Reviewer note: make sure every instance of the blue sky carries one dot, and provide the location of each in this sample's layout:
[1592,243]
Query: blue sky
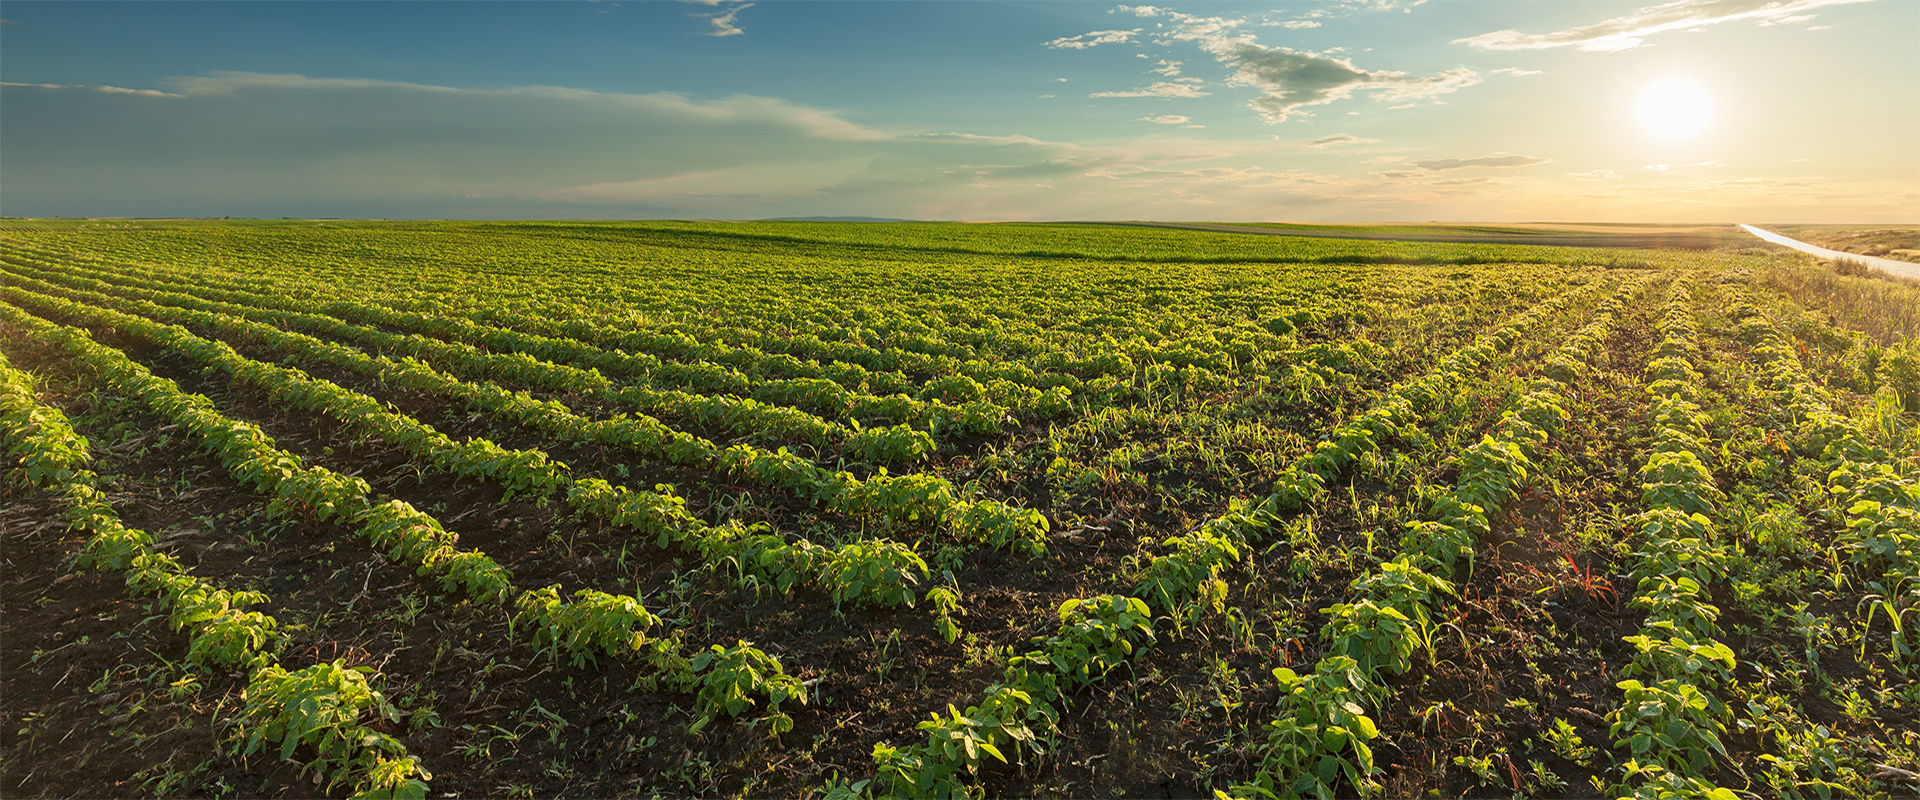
[1464,110]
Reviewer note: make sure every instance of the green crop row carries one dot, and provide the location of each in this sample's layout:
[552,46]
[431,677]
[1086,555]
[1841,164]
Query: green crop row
[530,472]
[1319,736]
[1258,317]
[1024,707]
[965,405]
[320,706]
[1306,481]
[886,444]
[902,498]
[1020,712]
[1672,723]
[593,623]
[1878,507]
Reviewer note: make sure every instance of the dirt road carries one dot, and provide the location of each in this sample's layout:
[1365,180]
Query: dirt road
[1904,269]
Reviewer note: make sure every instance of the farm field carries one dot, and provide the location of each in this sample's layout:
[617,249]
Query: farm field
[810,509]
[1553,234]
[1900,242]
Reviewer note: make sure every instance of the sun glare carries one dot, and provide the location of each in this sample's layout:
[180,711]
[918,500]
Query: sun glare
[1674,109]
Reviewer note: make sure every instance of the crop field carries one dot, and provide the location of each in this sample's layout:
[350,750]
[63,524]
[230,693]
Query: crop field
[1899,242]
[927,510]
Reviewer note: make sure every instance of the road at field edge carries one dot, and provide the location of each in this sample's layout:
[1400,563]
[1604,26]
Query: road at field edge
[1638,239]
[1904,269]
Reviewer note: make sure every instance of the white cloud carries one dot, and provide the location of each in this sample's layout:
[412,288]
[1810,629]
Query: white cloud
[1299,24]
[1672,167]
[102,89]
[1086,40]
[1289,80]
[736,109]
[1338,139]
[1292,79]
[1437,165]
[1186,27]
[723,24]
[1514,71]
[1336,9]
[1597,175]
[792,181]
[1630,31]
[1166,119]
[1158,89]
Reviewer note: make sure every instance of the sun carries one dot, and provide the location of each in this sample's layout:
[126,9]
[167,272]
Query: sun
[1674,109]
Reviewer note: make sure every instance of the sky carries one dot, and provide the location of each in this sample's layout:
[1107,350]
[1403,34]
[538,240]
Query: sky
[1763,111]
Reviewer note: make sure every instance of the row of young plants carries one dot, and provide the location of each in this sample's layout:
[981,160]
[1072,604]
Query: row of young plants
[1307,480]
[1017,308]
[1189,574]
[591,623]
[1021,710]
[1298,372]
[1286,342]
[783,358]
[1203,362]
[1672,720]
[1209,356]
[1319,736]
[531,363]
[924,351]
[320,707]
[1770,525]
[955,403]
[1876,506]
[896,499]
[877,571]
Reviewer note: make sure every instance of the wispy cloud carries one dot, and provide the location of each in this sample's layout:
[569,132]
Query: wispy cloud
[1167,119]
[1158,89]
[1337,140]
[1293,79]
[1336,9]
[1595,176]
[737,109]
[1289,80]
[723,22]
[1086,40]
[76,87]
[1514,71]
[1185,27]
[1440,164]
[1670,167]
[1630,31]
